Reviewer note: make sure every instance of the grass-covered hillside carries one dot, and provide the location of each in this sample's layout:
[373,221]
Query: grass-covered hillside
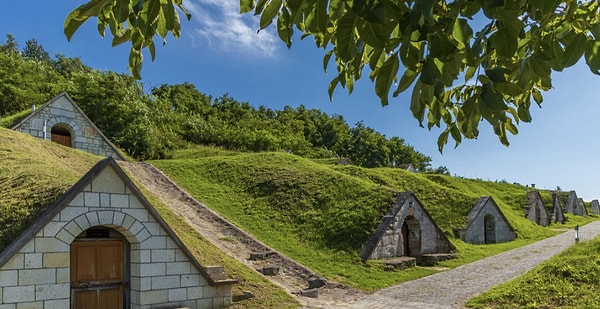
[321,213]
[34,173]
[568,280]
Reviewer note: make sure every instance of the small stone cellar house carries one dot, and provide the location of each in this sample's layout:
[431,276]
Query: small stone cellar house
[535,210]
[486,224]
[557,214]
[406,230]
[595,207]
[62,121]
[103,245]
[574,205]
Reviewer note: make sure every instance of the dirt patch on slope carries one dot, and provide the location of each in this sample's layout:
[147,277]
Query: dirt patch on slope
[292,276]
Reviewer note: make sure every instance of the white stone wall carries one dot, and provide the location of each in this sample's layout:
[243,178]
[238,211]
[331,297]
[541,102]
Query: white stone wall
[161,274]
[475,233]
[83,135]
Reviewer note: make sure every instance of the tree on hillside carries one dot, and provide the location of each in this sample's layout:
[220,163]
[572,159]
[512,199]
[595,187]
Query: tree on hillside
[425,46]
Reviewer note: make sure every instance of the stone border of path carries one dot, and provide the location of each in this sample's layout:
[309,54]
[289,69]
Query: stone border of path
[452,288]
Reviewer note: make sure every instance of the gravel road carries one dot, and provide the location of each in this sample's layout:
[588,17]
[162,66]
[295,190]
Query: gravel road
[451,288]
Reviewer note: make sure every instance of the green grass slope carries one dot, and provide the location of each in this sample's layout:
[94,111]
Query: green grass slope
[321,214]
[568,280]
[34,173]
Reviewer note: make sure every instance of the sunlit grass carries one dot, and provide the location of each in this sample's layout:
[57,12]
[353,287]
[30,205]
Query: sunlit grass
[567,280]
[321,213]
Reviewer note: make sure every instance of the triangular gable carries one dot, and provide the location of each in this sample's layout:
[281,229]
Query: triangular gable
[388,219]
[595,207]
[481,204]
[581,205]
[574,206]
[536,210]
[557,211]
[89,122]
[108,164]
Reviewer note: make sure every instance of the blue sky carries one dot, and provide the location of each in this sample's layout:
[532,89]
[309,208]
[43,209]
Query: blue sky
[220,52]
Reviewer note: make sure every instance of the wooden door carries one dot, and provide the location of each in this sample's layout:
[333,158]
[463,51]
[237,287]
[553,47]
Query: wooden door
[405,232]
[97,274]
[64,140]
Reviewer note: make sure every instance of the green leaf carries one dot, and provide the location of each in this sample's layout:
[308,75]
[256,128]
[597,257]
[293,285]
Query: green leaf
[246,6]
[135,63]
[511,127]
[284,28]
[326,59]
[504,42]
[410,55]
[385,77]
[443,140]
[260,6]
[370,33]
[316,17]
[508,88]
[332,85]
[455,133]
[170,16]
[80,15]
[344,37]
[440,46]
[369,10]
[523,111]
[122,36]
[574,50]
[496,75]
[271,10]
[416,107]
[406,80]
[461,31]
[537,96]
[491,99]
[426,7]
[592,56]
[121,10]
[430,73]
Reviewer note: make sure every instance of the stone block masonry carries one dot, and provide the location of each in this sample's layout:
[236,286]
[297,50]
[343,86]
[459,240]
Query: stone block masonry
[64,113]
[160,273]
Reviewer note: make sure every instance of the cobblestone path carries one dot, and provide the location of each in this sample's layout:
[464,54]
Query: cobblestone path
[451,288]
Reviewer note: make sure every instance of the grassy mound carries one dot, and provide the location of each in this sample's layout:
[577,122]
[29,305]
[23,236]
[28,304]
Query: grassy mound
[34,173]
[321,213]
[568,280]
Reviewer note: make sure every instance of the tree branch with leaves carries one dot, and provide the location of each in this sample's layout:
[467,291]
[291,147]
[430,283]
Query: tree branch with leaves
[464,61]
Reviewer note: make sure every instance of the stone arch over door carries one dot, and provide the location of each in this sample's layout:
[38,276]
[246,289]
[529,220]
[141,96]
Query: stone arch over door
[411,237]
[62,133]
[133,231]
[489,226]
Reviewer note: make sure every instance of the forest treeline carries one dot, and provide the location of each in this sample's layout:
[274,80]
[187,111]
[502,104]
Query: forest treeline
[151,124]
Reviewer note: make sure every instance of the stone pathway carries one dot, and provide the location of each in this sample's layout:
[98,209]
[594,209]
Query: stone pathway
[451,288]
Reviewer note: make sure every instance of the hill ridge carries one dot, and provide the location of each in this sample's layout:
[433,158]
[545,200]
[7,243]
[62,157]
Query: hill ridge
[234,241]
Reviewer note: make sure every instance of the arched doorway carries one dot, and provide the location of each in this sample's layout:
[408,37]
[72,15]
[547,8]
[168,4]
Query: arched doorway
[99,273]
[489,224]
[61,134]
[411,237]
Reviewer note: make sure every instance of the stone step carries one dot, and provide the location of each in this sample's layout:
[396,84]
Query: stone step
[399,263]
[432,259]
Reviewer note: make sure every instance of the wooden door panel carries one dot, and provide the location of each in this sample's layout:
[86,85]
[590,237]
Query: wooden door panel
[83,262]
[61,139]
[99,299]
[110,261]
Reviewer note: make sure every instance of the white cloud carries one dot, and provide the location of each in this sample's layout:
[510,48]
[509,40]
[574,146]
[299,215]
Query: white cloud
[225,29]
